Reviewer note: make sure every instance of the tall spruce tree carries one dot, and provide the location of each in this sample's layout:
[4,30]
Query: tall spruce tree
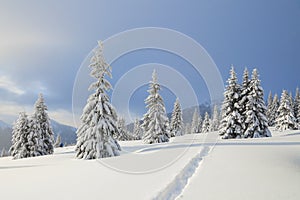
[21,146]
[206,123]
[35,144]
[43,125]
[273,111]
[269,100]
[155,122]
[176,120]
[231,123]
[285,118]
[200,122]
[137,130]
[256,122]
[269,108]
[297,106]
[215,119]
[95,135]
[291,102]
[195,126]
[245,92]
[187,128]
[123,132]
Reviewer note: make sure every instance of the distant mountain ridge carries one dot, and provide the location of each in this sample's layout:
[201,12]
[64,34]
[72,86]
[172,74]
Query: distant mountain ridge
[67,133]
[5,135]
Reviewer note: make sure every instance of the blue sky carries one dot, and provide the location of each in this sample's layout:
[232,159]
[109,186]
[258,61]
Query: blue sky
[43,43]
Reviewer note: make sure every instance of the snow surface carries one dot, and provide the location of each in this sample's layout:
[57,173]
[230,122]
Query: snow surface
[267,168]
[193,166]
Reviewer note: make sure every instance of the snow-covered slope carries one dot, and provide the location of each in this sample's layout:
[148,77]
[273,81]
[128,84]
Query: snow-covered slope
[267,168]
[189,167]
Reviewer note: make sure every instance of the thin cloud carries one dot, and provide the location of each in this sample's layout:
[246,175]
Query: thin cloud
[62,116]
[7,84]
[9,113]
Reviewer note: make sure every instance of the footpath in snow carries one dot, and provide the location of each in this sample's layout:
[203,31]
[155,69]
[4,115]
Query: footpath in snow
[141,172]
[266,169]
[189,167]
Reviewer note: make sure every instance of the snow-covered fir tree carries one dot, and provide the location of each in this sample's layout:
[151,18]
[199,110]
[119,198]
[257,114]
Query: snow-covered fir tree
[245,93]
[231,123]
[187,128]
[137,130]
[285,118]
[269,108]
[269,100]
[123,132]
[256,122]
[35,141]
[291,100]
[26,140]
[20,127]
[200,122]
[297,106]
[272,113]
[215,119]
[195,126]
[58,142]
[44,128]
[206,123]
[155,122]
[176,120]
[95,135]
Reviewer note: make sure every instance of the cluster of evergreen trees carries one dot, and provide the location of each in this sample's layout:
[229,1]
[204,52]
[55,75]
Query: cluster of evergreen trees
[156,126]
[244,114]
[284,113]
[101,128]
[123,132]
[243,109]
[207,124]
[32,136]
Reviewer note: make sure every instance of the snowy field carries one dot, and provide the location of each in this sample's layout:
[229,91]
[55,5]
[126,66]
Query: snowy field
[189,167]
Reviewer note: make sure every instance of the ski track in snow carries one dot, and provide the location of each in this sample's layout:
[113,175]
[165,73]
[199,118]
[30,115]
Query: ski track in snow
[176,187]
